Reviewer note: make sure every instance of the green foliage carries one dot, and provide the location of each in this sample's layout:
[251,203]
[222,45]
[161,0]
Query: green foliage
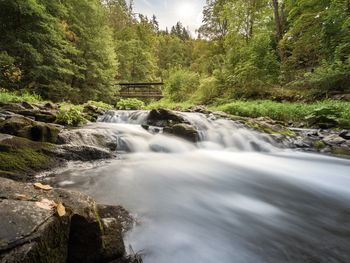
[56,49]
[167,104]
[181,84]
[9,73]
[331,76]
[71,116]
[289,111]
[325,115]
[100,104]
[25,96]
[78,50]
[319,145]
[207,91]
[130,104]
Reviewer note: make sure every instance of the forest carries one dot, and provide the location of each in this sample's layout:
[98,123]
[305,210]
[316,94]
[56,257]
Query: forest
[244,49]
[242,153]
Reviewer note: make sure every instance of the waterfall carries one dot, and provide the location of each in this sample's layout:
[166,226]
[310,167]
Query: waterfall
[233,196]
[219,134]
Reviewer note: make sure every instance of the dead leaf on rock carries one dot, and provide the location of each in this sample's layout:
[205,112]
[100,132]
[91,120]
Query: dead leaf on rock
[61,210]
[46,204]
[43,186]
[23,197]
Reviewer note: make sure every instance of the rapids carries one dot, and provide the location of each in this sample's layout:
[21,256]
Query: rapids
[234,197]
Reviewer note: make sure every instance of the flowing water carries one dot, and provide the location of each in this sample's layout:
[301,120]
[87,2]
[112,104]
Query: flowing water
[234,197]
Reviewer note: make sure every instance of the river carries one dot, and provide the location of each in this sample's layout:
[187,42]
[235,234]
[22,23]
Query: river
[234,197]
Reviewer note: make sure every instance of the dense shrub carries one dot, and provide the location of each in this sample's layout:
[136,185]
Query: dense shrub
[99,104]
[208,90]
[71,116]
[298,112]
[181,84]
[8,96]
[325,115]
[130,104]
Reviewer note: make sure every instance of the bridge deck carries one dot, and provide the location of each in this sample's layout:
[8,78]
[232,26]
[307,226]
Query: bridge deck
[141,90]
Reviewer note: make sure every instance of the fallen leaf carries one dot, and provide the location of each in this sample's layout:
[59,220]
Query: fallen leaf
[22,197]
[46,204]
[43,186]
[61,210]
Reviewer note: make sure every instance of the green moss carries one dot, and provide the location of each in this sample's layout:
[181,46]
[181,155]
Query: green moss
[319,145]
[343,151]
[19,155]
[270,130]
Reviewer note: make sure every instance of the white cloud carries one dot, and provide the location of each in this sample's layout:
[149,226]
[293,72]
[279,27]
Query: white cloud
[166,13]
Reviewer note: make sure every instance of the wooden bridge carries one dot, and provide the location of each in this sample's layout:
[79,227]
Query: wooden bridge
[141,90]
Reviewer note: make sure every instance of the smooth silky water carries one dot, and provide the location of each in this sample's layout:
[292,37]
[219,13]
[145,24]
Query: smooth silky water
[233,197]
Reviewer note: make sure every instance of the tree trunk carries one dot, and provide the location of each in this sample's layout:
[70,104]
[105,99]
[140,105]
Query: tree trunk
[279,27]
[277,19]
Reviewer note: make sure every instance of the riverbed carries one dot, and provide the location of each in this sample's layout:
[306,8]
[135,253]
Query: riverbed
[234,196]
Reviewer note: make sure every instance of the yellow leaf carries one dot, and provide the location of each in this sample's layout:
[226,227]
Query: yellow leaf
[61,210]
[23,197]
[46,204]
[43,186]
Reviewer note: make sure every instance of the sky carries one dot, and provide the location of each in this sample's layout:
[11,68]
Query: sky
[169,12]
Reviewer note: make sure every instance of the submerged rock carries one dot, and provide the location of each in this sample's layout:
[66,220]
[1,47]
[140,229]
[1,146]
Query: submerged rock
[185,131]
[345,134]
[29,233]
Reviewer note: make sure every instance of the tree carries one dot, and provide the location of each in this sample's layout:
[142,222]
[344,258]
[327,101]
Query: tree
[215,26]
[34,40]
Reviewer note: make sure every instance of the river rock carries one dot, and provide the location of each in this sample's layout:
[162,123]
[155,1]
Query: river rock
[27,128]
[82,153]
[13,107]
[90,135]
[185,131]
[29,233]
[333,140]
[199,109]
[163,118]
[92,112]
[345,135]
[28,106]
[51,106]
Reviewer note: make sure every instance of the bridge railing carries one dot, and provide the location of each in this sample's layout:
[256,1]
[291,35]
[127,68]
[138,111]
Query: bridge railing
[141,90]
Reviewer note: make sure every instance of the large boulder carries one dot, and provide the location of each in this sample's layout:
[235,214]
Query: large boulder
[82,153]
[13,107]
[44,113]
[92,112]
[163,118]
[27,128]
[30,233]
[21,158]
[333,140]
[185,131]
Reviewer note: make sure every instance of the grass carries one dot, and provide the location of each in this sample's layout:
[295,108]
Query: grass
[9,96]
[295,112]
[167,104]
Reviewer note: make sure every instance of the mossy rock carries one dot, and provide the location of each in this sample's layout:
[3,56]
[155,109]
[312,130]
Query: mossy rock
[27,128]
[20,157]
[276,129]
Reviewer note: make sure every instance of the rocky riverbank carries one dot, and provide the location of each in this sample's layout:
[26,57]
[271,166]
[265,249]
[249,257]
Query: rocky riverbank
[31,141]
[312,139]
